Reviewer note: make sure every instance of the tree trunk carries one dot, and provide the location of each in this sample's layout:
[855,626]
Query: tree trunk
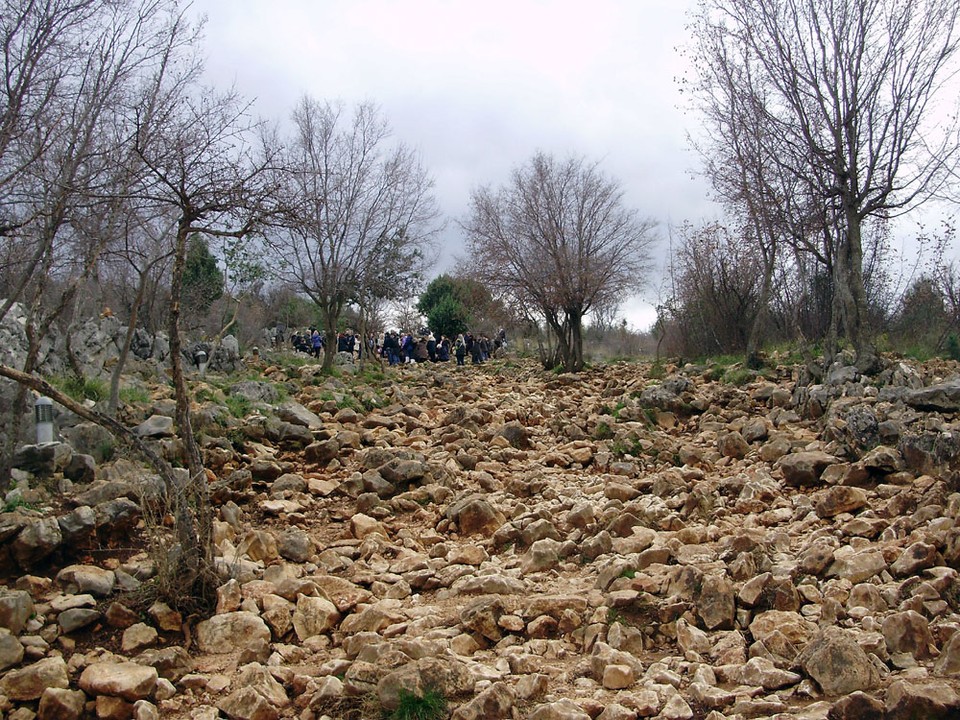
[114,401]
[330,317]
[758,326]
[230,323]
[855,295]
[575,360]
[561,331]
[198,551]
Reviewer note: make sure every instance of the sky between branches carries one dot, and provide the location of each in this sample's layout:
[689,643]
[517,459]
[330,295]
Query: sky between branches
[478,87]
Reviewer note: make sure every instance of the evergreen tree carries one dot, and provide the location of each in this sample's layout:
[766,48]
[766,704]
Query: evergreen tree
[202,279]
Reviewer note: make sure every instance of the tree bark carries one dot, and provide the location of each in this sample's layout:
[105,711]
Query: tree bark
[114,401]
[199,551]
[575,360]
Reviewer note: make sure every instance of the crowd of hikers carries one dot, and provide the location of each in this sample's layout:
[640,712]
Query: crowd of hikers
[401,347]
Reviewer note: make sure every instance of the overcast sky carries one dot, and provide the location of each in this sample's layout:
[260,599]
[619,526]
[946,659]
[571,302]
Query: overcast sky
[479,87]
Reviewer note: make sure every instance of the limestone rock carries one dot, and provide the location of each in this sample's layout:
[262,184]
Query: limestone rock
[36,542]
[838,664]
[11,651]
[29,683]
[156,426]
[803,469]
[857,706]
[87,579]
[16,607]
[840,499]
[230,632]
[476,516]
[491,704]
[247,704]
[907,700]
[314,616]
[61,704]
[127,680]
[908,632]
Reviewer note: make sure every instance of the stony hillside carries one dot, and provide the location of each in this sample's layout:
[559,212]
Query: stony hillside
[514,543]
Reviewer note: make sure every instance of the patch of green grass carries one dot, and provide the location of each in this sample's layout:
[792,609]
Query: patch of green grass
[658,370]
[627,446]
[371,373]
[714,374]
[430,706]
[205,394]
[602,431]
[105,451]
[628,573]
[135,395]
[739,376]
[81,389]
[920,353]
[17,502]
[283,393]
[237,438]
[725,360]
[238,405]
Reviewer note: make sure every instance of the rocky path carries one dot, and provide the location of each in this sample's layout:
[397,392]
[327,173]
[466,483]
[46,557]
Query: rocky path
[601,546]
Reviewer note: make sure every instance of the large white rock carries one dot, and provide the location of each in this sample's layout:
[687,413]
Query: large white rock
[231,631]
[126,680]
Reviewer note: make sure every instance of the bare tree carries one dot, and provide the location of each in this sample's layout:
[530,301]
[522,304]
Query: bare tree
[557,240]
[63,148]
[144,253]
[361,212]
[207,162]
[848,96]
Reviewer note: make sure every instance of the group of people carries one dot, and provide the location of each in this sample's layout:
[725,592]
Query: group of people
[398,348]
[312,341]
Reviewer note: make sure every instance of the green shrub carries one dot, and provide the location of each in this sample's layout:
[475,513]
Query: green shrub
[430,706]
[658,370]
[135,395]
[739,376]
[17,502]
[238,405]
[602,431]
[80,388]
[205,394]
[627,446]
[953,347]
[104,451]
